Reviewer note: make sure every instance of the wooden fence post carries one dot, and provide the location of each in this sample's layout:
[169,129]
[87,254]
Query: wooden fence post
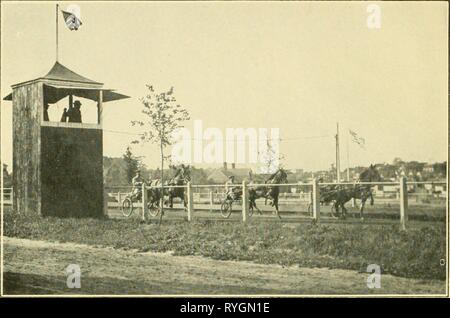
[119,198]
[144,201]
[190,201]
[211,201]
[316,200]
[353,199]
[403,203]
[245,201]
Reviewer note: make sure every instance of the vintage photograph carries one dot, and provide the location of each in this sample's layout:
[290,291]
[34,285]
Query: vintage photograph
[216,148]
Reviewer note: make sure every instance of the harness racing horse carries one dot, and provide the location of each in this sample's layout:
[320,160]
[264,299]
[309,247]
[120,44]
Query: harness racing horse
[182,177]
[361,191]
[270,193]
[154,197]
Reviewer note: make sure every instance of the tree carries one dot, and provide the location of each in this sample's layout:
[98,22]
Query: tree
[397,162]
[132,164]
[440,169]
[270,157]
[163,115]
[199,176]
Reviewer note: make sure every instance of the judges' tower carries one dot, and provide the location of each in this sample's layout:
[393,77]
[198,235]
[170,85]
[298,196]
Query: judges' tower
[57,166]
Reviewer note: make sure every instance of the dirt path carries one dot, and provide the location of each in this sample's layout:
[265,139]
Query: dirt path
[38,267]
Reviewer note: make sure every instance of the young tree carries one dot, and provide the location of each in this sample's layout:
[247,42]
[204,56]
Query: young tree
[163,115]
[132,164]
[270,157]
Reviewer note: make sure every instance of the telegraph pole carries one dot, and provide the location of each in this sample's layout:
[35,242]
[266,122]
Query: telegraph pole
[348,160]
[338,161]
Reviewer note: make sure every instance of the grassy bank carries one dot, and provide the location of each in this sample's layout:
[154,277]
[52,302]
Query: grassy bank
[415,253]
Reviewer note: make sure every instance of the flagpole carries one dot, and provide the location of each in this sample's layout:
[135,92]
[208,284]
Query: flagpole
[338,164]
[348,160]
[57,10]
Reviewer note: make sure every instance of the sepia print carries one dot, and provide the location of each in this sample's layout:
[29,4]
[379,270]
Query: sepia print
[224,148]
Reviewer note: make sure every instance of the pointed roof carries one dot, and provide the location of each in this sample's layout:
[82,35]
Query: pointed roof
[61,81]
[61,73]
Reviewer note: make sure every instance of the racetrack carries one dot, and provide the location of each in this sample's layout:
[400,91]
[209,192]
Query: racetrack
[38,267]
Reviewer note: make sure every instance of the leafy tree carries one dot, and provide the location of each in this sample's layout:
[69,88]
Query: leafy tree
[440,169]
[270,158]
[163,115]
[199,176]
[132,164]
[397,162]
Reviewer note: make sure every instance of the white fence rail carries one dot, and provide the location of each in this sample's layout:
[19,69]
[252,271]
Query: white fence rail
[215,194]
[8,196]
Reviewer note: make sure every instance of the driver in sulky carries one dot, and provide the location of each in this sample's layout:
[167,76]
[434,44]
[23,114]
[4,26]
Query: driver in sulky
[232,191]
[137,182]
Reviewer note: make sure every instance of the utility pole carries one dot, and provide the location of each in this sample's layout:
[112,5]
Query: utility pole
[338,161]
[348,160]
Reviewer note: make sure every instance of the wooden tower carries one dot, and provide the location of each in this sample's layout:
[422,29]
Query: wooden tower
[57,166]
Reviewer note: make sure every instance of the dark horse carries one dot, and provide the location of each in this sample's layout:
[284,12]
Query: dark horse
[181,177]
[359,191]
[268,192]
[154,197]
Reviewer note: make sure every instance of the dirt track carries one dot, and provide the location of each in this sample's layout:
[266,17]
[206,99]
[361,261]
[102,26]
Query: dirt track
[38,267]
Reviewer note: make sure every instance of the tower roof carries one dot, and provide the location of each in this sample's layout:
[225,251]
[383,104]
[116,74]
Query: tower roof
[61,81]
[61,73]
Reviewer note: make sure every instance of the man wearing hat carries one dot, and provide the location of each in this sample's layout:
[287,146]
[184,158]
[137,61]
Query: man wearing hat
[137,182]
[229,182]
[229,189]
[74,113]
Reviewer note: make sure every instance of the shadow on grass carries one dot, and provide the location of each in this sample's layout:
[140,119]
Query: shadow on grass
[32,284]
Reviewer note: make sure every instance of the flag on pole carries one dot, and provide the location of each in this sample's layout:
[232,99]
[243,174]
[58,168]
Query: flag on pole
[72,21]
[356,139]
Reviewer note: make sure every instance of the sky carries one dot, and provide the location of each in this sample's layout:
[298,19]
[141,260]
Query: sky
[297,66]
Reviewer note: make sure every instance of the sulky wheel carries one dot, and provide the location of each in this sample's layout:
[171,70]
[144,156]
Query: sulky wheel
[127,207]
[225,208]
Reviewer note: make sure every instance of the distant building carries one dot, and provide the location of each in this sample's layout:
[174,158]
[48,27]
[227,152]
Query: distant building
[428,168]
[221,175]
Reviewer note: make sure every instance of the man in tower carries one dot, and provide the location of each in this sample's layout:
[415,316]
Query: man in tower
[74,113]
[64,116]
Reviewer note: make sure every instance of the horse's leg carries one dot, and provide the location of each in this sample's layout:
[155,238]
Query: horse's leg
[185,199]
[333,209]
[253,204]
[338,210]
[361,209]
[344,210]
[275,202]
[257,209]
[171,196]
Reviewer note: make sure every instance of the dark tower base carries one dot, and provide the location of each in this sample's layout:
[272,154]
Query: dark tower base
[71,172]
